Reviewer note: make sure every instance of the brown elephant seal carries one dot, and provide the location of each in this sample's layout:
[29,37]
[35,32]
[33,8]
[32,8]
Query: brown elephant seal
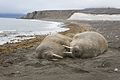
[52,47]
[88,44]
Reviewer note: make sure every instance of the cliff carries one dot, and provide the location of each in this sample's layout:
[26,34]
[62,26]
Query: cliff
[50,14]
[65,14]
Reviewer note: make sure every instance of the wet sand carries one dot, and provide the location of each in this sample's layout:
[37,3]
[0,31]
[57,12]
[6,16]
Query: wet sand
[17,61]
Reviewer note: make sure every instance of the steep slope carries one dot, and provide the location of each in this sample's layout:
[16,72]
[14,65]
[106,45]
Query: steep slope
[65,14]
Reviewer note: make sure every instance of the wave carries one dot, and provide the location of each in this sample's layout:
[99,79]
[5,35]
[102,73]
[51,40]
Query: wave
[16,30]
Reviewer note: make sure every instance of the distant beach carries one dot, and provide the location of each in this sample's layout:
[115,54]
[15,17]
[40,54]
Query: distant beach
[94,17]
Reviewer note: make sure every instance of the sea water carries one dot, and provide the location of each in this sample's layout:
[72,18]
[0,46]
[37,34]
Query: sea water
[15,30]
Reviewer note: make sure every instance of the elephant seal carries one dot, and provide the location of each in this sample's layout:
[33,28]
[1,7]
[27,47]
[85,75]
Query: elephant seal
[52,48]
[88,44]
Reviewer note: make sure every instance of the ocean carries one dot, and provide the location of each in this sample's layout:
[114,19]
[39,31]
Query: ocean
[14,30]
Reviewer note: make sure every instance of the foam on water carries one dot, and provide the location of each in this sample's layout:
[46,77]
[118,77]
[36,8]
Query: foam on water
[15,30]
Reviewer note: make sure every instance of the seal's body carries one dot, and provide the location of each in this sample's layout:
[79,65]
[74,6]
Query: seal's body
[88,44]
[52,46]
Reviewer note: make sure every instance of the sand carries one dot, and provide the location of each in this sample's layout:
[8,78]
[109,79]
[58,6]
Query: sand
[17,61]
[83,16]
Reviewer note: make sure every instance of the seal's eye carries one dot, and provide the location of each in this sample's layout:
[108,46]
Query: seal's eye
[75,51]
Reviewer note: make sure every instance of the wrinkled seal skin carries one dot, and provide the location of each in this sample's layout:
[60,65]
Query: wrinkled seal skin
[88,44]
[53,44]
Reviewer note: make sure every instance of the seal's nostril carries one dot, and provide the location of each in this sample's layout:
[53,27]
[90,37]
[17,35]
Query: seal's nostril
[76,53]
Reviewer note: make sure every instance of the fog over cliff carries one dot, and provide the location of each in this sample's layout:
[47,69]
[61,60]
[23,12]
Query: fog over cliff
[25,6]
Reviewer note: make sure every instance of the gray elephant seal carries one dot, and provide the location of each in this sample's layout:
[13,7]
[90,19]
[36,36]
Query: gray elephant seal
[52,47]
[88,44]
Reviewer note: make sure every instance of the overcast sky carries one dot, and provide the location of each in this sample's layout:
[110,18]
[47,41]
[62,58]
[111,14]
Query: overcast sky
[24,6]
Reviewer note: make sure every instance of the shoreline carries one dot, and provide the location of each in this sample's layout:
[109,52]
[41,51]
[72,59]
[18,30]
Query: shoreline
[27,43]
[75,26]
[16,32]
[18,60]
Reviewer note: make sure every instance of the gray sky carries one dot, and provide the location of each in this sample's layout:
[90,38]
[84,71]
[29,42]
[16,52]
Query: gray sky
[24,6]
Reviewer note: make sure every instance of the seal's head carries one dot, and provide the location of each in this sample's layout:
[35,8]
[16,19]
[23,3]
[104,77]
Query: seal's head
[76,51]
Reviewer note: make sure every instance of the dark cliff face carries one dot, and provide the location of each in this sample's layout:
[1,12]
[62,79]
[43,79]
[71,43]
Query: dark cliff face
[65,14]
[50,14]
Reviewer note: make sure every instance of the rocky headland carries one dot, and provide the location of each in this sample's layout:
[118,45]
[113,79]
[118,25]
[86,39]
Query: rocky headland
[65,14]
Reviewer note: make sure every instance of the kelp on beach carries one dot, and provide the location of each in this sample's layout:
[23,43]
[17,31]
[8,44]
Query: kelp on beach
[12,47]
